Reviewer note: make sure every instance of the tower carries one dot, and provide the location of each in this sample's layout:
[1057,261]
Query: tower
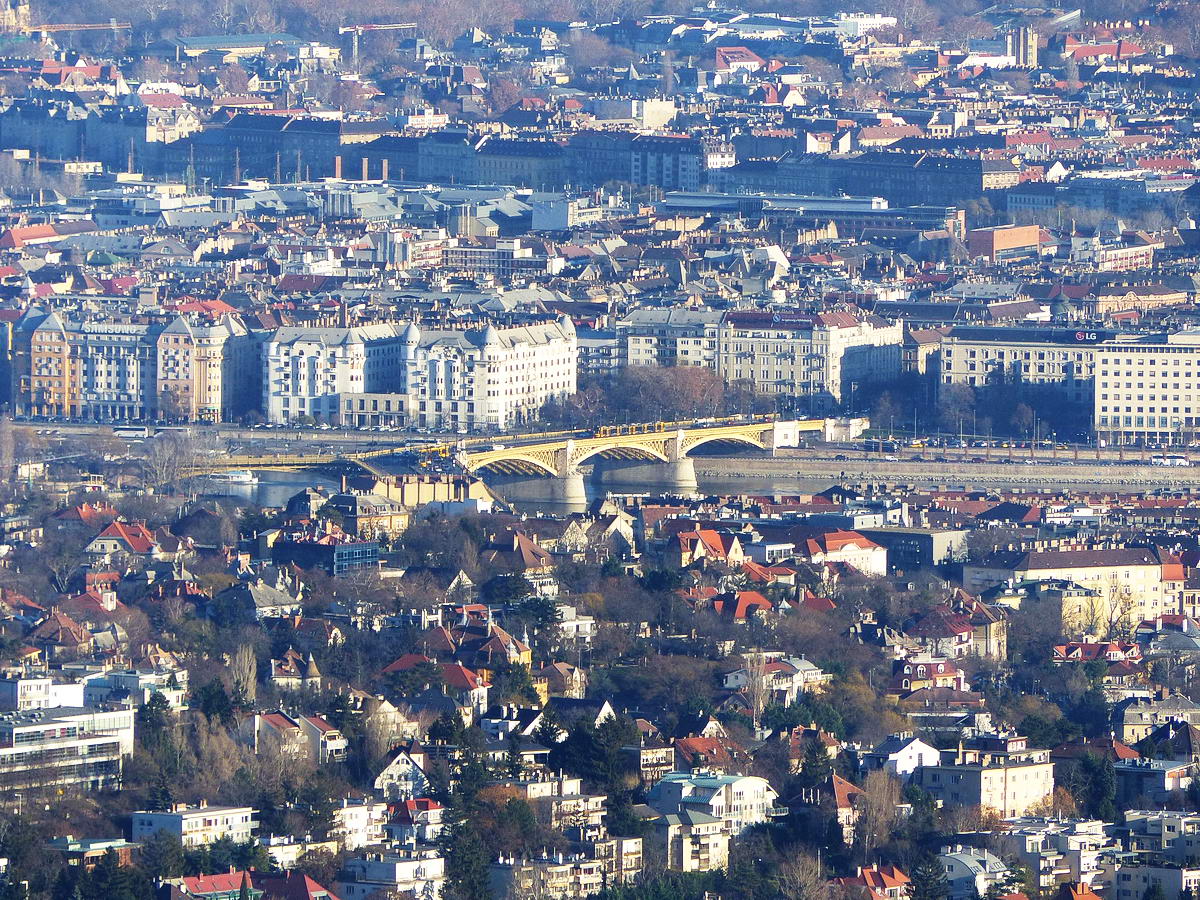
[1021,43]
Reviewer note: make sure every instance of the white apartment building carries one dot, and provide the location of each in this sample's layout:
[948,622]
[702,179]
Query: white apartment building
[740,801]
[1149,390]
[487,380]
[306,369]
[1132,882]
[1011,783]
[1170,834]
[459,379]
[197,826]
[818,356]
[693,841]
[1125,584]
[421,872]
[1057,850]
[70,747]
[359,823]
[18,694]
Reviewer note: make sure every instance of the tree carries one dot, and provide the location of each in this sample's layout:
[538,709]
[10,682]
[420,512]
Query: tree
[885,412]
[928,880]
[213,700]
[245,672]
[877,811]
[162,855]
[506,589]
[1094,785]
[467,861]
[955,403]
[801,878]
[815,767]
[162,798]
[1155,892]
[1022,418]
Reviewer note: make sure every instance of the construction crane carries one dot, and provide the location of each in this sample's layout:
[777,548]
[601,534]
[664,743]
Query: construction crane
[49,28]
[356,31]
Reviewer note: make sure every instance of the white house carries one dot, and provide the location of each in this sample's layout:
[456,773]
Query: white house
[785,677]
[972,872]
[197,826]
[421,872]
[900,755]
[739,800]
[403,777]
[359,823]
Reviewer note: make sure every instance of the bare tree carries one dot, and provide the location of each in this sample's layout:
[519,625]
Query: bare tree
[876,810]
[757,689]
[245,671]
[800,878]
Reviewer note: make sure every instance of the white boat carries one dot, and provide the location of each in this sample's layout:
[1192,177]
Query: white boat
[235,476]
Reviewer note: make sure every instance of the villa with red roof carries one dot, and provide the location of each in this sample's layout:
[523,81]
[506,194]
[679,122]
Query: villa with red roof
[877,882]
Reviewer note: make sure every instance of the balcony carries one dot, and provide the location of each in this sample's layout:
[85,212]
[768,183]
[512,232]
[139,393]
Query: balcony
[777,811]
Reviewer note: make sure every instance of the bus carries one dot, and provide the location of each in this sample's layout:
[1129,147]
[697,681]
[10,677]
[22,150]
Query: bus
[1171,459]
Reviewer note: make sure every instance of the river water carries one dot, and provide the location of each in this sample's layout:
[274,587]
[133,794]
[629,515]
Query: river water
[276,486]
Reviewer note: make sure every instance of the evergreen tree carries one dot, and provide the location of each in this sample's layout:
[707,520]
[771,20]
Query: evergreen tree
[467,861]
[162,856]
[816,767]
[928,880]
[1155,892]
[161,796]
[513,764]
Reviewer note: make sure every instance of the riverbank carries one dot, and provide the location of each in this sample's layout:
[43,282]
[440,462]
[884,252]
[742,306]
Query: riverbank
[1036,476]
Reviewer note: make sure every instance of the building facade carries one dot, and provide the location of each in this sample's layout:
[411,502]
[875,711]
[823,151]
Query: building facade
[822,357]
[65,747]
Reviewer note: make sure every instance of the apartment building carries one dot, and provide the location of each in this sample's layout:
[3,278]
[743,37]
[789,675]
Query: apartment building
[65,747]
[1064,359]
[821,357]
[359,823]
[1131,882]
[110,369]
[693,841]
[738,800]
[1149,390]
[1001,774]
[562,800]
[419,872]
[489,379]
[1122,585]
[305,737]
[18,694]
[1170,834]
[464,379]
[305,369]
[197,826]
[669,337]
[503,257]
[1056,851]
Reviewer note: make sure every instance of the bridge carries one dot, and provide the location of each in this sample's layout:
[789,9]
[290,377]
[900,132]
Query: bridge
[339,462]
[558,455]
[563,457]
